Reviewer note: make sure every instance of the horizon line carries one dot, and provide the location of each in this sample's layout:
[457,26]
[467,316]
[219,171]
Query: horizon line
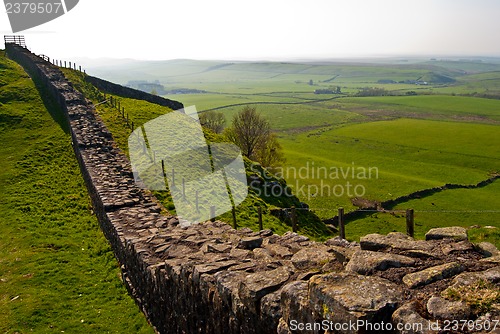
[437,57]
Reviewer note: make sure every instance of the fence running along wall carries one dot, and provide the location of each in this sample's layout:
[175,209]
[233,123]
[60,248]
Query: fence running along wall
[210,278]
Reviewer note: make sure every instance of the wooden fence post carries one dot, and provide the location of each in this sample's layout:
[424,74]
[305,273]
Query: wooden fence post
[196,202]
[341,223]
[235,225]
[183,188]
[212,213]
[173,177]
[259,212]
[410,226]
[294,219]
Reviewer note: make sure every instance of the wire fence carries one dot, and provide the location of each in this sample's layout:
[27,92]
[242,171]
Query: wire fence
[342,218]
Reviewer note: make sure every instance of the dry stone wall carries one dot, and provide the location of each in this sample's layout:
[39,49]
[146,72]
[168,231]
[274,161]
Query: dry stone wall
[132,93]
[210,278]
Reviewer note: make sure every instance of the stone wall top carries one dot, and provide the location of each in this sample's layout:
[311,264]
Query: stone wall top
[113,88]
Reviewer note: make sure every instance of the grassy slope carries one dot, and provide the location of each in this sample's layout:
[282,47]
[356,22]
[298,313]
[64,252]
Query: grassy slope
[57,271]
[410,154]
[246,213]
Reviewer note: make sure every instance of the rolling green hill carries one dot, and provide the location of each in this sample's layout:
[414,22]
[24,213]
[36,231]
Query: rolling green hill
[140,112]
[57,272]
[419,135]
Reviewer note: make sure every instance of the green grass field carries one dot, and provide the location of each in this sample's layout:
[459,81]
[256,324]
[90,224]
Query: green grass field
[440,107]
[406,162]
[57,271]
[414,142]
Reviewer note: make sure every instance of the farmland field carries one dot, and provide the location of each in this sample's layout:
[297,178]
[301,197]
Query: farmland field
[432,126]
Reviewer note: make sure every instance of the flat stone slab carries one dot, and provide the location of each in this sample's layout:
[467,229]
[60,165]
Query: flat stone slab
[178,251]
[343,254]
[469,278]
[367,262]
[407,314]
[432,274]
[443,309]
[257,285]
[343,297]
[312,257]
[455,232]
[278,250]
[494,259]
[461,246]
[250,242]
[339,242]
[239,254]
[211,268]
[419,254]
[399,241]
[217,248]
[487,249]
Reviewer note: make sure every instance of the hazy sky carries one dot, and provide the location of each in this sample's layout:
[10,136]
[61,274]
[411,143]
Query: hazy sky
[270,29]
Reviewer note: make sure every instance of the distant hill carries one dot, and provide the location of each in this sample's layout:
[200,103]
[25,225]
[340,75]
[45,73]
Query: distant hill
[437,78]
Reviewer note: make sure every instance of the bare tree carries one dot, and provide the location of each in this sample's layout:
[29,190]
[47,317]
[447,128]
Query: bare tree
[252,133]
[213,120]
